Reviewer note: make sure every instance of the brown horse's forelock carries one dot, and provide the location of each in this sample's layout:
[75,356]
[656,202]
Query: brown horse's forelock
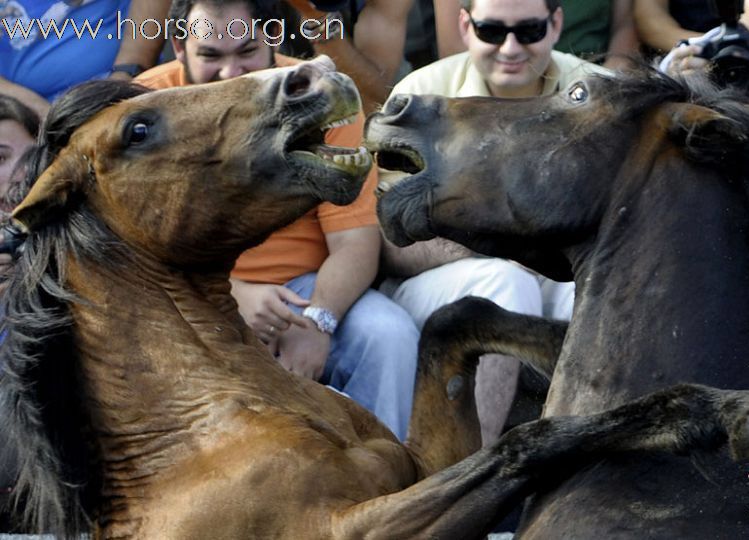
[40,409]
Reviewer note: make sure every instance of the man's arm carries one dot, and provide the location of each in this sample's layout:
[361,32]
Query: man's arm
[139,50]
[421,256]
[344,276]
[349,269]
[374,55]
[657,27]
[623,42]
[449,41]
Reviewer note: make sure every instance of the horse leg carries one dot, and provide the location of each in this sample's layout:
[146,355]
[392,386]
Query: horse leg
[479,326]
[468,498]
[444,424]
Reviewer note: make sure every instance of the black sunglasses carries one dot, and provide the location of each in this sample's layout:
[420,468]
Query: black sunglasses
[496,32]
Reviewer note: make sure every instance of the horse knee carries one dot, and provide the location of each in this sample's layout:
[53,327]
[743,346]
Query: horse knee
[459,328]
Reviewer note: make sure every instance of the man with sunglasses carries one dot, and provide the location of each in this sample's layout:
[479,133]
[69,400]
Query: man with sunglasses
[509,55]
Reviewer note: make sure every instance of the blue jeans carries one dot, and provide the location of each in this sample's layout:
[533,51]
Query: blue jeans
[372,355]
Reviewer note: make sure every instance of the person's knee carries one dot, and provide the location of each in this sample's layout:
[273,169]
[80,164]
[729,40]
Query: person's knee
[386,332]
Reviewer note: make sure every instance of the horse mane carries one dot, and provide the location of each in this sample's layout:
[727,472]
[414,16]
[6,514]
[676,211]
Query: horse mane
[645,87]
[40,409]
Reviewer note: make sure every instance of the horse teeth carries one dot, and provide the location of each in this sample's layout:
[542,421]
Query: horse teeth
[340,123]
[384,187]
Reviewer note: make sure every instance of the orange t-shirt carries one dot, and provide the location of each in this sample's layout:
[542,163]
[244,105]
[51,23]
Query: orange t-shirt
[300,247]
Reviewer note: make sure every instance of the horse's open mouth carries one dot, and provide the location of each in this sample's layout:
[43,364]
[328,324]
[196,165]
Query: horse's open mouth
[396,164]
[310,147]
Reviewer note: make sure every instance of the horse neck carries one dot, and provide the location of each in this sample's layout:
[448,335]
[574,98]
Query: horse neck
[154,345]
[663,288]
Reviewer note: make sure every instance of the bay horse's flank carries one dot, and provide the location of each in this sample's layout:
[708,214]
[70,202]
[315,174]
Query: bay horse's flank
[636,186]
[122,339]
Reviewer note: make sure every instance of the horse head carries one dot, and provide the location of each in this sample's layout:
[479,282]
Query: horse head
[517,177]
[636,185]
[248,154]
[132,188]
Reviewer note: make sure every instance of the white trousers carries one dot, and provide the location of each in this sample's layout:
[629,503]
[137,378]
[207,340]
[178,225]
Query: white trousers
[506,283]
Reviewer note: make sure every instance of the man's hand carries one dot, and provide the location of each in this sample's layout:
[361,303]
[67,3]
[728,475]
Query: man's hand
[685,60]
[264,308]
[304,350]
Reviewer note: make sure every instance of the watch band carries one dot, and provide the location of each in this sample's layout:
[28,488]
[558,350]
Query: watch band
[131,69]
[323,318]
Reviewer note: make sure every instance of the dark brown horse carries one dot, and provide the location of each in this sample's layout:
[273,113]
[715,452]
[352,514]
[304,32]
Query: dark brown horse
[124,345]
[637,188]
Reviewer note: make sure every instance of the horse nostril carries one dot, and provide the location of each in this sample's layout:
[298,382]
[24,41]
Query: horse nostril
[395,106]
[299,82]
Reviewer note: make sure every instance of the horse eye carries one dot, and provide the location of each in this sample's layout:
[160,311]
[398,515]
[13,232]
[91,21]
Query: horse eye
[578,93]
[138,133]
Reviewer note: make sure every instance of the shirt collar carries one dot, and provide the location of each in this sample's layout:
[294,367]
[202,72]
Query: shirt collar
[474,84]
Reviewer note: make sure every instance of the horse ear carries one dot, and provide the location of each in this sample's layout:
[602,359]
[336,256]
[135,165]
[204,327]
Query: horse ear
[53,191]
[705,135]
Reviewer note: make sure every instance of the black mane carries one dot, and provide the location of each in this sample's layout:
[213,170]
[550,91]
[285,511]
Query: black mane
[636,92]
[645,87]
[40,410]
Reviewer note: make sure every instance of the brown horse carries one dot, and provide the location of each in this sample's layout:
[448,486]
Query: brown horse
[123,344]
[635,186]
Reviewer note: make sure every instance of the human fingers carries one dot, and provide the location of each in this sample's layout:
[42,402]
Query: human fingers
[264,335]
[685,51]
[283,316]
[273,346]
[691,64]
[289,296]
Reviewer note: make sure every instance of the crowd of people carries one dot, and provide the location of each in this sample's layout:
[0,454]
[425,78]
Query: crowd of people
[309,291]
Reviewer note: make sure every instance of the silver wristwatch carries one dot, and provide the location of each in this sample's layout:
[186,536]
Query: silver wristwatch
[323,318]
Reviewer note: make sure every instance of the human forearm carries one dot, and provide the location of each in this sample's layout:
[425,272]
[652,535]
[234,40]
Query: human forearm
[349,269]
[623,42]
[449,41]
[421,256]
[656,26]
[373,82]
[372,52]
[134,47]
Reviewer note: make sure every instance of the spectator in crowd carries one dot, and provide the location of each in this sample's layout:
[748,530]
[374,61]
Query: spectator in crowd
[515,64]
[663,23]
[370,50]
[599,28]
[18,129]
[35,69]
[305,290]
[421,36]
[591,29]
[446,16]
